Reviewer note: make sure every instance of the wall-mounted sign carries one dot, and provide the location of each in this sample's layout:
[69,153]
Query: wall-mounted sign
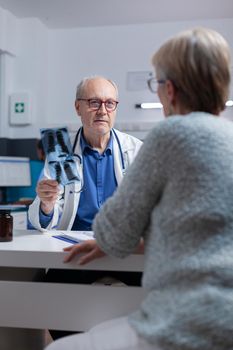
[137,81]
[19,109]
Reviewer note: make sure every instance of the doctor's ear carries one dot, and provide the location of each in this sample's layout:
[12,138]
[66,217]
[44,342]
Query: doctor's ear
[77,107]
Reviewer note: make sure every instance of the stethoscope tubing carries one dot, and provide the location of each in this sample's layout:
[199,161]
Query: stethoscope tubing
[118,143]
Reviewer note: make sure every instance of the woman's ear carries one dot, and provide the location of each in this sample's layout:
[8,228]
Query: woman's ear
[171,100]
[170,91]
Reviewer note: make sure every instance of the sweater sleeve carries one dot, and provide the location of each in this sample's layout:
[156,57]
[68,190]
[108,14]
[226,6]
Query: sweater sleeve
[125,217]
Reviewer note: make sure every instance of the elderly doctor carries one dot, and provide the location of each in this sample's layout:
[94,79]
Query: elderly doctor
[102,156]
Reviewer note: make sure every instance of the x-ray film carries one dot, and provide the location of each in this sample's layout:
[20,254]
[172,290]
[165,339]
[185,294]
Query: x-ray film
[59,154]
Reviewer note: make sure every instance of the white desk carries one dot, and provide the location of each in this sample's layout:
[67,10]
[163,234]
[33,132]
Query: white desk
[25,303]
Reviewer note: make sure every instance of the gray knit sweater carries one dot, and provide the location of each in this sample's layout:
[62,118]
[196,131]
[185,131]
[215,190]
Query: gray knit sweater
[178,195]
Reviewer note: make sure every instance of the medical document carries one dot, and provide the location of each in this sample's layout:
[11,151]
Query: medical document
[73,236]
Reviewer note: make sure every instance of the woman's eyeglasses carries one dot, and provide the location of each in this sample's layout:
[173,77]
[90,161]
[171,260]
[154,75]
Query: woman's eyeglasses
[154,83]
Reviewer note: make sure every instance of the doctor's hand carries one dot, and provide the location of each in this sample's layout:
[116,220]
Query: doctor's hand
[48,192]
[89,249]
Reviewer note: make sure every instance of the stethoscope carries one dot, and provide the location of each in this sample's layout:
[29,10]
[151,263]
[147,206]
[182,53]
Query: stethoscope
[72,190]
[118,143]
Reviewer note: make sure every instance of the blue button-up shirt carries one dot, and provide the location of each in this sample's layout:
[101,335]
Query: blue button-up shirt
[99,184]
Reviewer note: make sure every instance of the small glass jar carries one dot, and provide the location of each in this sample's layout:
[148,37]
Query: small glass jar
[6,226]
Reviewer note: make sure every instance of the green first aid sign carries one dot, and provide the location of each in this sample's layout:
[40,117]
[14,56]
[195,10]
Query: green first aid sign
[19,107]
[20,111]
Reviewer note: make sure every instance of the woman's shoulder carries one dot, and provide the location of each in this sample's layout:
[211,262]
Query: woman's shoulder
[195,123]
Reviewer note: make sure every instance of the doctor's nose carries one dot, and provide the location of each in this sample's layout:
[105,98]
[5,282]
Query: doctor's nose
[102,109]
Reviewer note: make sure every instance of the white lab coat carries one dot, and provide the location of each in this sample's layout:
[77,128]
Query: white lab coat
[67,204]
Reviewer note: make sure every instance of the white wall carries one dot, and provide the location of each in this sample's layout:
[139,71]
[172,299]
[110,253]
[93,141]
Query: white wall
[23,68]
[8,32]
[9,45]
[50,63]
[28,72]
[111,51]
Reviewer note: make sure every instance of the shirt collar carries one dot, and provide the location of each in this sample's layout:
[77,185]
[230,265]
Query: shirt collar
[85,146]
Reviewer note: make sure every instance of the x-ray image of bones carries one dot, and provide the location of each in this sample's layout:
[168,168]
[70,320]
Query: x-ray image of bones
[59,155]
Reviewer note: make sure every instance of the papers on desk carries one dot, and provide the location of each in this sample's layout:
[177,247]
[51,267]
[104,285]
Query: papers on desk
[74,236]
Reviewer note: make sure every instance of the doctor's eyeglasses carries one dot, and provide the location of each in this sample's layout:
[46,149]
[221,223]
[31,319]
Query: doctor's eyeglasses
[95,104]
[154,83]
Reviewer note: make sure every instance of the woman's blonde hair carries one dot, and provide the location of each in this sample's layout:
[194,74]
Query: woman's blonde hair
[198,63]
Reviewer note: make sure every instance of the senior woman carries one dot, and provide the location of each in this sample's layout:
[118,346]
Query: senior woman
[181,204]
